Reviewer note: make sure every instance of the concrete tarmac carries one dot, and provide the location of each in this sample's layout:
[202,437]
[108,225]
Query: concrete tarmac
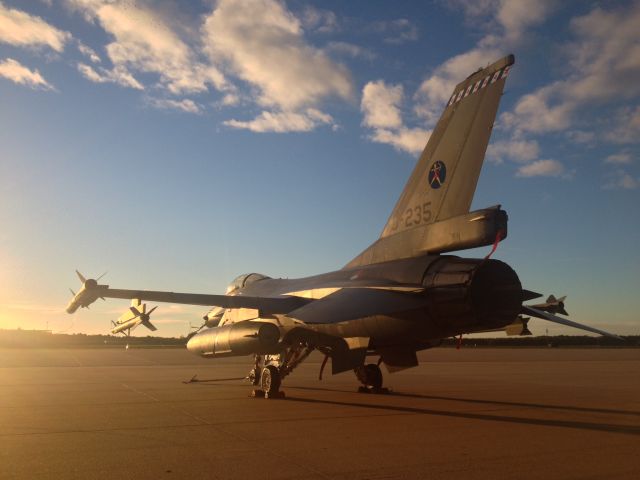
[472,414]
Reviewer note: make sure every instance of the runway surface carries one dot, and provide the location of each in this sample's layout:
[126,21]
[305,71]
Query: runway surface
[473,413]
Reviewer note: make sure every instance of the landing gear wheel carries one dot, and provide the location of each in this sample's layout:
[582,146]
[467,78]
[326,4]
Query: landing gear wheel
[270,382]
[254,376]
[370,376]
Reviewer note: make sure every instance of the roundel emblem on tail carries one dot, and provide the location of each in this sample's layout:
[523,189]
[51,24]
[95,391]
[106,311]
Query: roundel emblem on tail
[437,174]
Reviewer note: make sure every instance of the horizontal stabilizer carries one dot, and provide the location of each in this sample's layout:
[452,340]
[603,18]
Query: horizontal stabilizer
[470,230]
[534,312]
[529,295]
[352,303]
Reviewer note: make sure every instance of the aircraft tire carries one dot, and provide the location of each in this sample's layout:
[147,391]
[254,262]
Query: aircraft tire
[374,375]
[254,376]
[369,375]
[270,381]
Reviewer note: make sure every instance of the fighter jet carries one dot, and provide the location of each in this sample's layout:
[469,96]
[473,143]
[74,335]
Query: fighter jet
[135,315]
[403,293]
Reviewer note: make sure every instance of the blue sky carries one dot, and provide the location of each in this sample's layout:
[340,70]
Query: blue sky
[179,144]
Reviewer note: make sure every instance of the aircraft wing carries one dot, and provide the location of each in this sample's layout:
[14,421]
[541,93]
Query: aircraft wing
[352,303]
[534,312]
[264,304]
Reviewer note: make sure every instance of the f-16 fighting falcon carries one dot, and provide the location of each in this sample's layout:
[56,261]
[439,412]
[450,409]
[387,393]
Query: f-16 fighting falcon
[403,293]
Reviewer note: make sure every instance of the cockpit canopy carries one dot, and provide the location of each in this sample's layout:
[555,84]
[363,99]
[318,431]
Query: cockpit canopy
[243,281]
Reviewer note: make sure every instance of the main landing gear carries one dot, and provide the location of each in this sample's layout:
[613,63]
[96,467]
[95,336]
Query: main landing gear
[370,376]
[269,370]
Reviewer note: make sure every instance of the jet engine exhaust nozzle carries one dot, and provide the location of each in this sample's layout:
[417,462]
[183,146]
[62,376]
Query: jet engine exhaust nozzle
[473,293]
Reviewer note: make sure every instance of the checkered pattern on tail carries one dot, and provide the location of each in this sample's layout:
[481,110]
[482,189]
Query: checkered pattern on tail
[478,85]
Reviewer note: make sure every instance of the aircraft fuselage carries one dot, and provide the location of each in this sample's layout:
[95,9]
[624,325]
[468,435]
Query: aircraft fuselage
[446,296]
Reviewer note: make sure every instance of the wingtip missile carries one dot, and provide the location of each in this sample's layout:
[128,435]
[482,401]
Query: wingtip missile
[553,305]
[135,315]
[88,293]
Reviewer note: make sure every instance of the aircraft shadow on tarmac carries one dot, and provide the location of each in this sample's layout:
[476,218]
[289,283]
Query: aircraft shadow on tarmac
[603,427]
[490,402]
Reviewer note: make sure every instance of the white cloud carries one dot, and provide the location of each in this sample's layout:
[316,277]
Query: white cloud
[436,90]
[88,52]
[229,99]
[24,30]
[381,108]
[259,41]
[626,126]
[621,180]
[533,112]
[118,75]
[262,43]
[509,20]
[322,21]
[185,105]
[474,9]
[605,65]
[516,16]
[350,50]
[90,74]
[410,140]
[581,136]
[511,17]
[18,73]
[622,158]
[381,105]
[541,168]
[521,151]
[146,42]
[396,32]
[282,122]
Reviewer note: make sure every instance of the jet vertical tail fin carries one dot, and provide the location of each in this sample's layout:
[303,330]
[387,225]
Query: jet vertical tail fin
[444,180]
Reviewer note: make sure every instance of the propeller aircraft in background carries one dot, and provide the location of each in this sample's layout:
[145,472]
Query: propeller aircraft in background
[402,294]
